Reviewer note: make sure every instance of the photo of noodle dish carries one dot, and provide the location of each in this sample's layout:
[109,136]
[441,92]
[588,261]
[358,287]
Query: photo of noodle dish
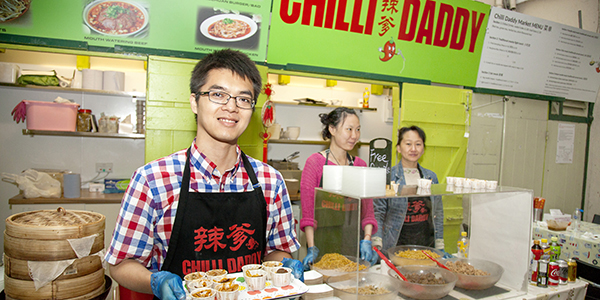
[228,27]
[12,9]
[117,18]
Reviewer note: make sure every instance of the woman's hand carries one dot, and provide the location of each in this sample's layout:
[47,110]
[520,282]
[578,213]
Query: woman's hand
[367,253]
[311,254]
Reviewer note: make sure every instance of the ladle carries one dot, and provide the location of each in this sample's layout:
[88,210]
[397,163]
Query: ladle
[389,263]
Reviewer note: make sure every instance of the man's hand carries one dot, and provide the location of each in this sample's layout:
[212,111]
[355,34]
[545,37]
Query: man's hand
[296,266]
[367,253]
[311,254]
[167,286]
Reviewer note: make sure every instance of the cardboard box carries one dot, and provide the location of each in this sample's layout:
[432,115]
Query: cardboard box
[112,185]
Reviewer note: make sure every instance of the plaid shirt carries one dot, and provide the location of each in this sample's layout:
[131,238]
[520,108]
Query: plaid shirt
[149,206]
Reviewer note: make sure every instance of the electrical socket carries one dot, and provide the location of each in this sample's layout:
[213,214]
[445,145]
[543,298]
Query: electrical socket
[104,167]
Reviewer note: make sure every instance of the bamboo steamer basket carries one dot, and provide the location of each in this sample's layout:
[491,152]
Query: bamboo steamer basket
[80,288]
[42,235]
[18,269]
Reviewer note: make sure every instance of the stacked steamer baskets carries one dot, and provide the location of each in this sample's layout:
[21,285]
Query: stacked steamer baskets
[43,239]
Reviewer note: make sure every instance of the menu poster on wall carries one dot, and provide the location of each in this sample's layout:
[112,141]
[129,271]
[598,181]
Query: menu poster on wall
[181,26]
[527,54]
[432,40]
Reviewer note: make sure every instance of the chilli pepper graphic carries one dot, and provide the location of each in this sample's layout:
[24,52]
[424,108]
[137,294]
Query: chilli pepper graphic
[389,50]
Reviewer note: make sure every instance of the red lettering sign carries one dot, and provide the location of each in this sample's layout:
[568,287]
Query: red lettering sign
[239,234]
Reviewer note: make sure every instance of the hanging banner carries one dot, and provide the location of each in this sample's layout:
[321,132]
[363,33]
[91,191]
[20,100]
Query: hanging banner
[527,54]
[439,41]
[183,25]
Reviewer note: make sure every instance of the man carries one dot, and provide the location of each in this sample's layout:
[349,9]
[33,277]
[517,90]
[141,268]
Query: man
[209,206]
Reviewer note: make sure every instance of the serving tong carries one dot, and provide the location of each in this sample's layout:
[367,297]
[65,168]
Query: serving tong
[389,263]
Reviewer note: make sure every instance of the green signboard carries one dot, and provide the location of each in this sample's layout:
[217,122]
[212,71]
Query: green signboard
[440,41]
[151,26]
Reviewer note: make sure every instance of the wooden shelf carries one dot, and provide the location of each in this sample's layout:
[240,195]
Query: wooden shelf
[322,105]
[85,134]
[72,90]
[306,142]
[86,197]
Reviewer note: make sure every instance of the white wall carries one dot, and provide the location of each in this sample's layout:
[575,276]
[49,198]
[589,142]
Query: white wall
[566,12]
[307,117]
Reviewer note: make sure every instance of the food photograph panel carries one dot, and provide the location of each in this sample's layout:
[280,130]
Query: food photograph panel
[228,28]
[116,18]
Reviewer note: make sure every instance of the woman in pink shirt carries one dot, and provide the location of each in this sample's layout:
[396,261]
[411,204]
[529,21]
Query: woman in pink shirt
[342,127]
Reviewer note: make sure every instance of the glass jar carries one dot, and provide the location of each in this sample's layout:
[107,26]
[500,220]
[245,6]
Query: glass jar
[84,120]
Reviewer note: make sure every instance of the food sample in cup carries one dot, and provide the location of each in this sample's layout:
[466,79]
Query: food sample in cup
[227,291]
[222,280]
[203,294]
[269,265]
[194,276]
[281,276]
[251,267]
[216,273]
[198,283]
[256,279]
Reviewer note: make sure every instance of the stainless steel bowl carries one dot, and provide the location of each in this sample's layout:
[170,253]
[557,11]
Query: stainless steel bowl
[425,291]
[474,282]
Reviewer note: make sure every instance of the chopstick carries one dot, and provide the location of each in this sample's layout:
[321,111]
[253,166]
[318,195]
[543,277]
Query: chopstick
[437,262]
[389,263]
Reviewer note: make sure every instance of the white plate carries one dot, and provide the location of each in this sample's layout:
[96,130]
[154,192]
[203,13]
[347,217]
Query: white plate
[138,6]
[206,23]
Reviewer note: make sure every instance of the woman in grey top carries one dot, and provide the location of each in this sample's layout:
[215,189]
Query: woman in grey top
[415,220]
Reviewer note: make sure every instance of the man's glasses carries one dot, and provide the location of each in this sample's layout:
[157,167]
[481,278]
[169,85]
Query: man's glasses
[218,97]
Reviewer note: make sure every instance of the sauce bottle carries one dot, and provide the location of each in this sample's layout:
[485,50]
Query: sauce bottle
[366,96]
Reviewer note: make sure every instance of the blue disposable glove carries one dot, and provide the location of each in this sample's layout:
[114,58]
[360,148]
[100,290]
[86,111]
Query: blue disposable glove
[167,286]
[311,254]
[296,266]
[367,253]
[446,254]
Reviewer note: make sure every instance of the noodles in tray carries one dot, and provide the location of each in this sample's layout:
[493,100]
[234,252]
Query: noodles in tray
[335,261]
[10,9]
[229,29]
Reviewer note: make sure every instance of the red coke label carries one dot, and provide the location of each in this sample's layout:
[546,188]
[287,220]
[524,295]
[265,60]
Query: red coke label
[553,274]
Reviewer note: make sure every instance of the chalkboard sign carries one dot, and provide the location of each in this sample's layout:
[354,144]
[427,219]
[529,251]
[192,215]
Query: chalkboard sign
[381,157]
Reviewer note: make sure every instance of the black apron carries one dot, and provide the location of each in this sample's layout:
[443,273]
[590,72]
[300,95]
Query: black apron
[418,223]
[217,230]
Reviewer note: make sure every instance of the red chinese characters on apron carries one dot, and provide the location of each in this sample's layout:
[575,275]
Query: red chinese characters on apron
[217,230]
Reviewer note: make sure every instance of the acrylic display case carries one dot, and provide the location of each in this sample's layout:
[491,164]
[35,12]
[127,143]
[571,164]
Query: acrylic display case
[498,222]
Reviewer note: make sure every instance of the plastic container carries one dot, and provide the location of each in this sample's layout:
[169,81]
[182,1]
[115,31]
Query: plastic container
[9,72]
[475,282]
[84,120]
[51,116]
[425,291]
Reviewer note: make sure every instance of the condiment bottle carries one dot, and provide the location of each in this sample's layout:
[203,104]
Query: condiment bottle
[366,96]
[463,245]
[84,120]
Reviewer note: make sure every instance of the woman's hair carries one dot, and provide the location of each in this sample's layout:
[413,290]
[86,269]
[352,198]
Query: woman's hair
[404,130]
[334,118]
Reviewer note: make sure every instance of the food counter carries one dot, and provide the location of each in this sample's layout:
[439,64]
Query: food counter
[584,245]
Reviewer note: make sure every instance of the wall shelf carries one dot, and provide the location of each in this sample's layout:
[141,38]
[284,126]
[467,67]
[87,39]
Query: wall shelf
[85,134]
[322,105]
[72,90]
[307,142]
[86,197]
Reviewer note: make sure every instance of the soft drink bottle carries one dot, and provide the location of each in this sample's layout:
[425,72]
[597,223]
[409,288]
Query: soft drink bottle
[546,248]
[554,249]
[536,254]
[463,245]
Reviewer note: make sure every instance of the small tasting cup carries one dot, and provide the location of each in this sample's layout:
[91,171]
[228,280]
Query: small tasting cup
[479,184]
[227,291]
[469,183]
[215,273]
[269,265]
[424,183]
[450,180]
[194,276]
[491,184]
[450,188]
[458,190]
[281,278]
[207,294]
[459,181]
[198,284]
[256,280]
[225,279]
